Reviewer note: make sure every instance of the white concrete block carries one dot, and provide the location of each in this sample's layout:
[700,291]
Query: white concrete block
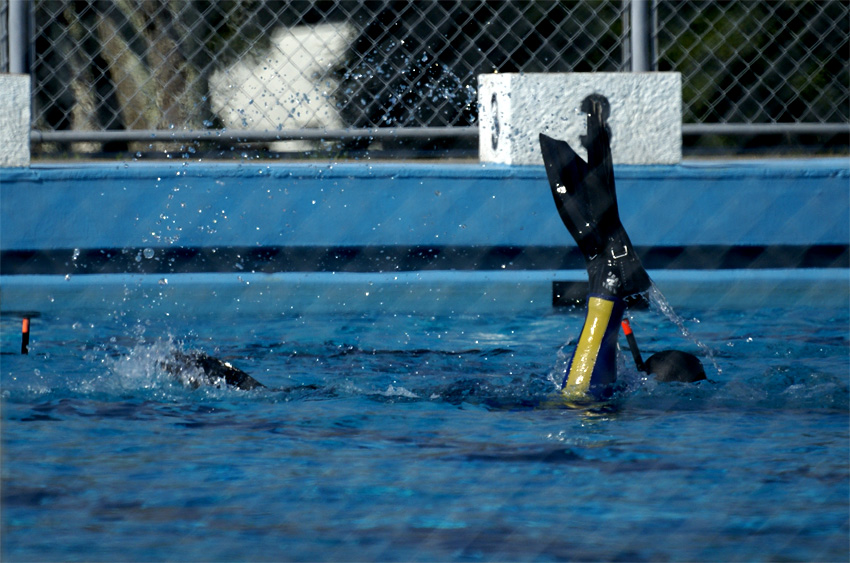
[645,117]
[14,120]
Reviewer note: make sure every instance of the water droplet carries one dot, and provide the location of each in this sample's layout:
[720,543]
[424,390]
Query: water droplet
[148,253]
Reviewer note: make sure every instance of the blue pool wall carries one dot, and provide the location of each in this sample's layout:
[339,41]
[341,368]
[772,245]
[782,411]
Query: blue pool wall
[83,235]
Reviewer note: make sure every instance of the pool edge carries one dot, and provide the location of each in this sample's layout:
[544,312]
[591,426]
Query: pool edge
[432,292]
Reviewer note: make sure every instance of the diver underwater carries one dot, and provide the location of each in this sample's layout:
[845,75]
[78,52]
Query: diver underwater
[586,200]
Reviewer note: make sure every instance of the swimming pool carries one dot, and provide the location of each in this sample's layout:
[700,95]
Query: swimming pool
[422,436]
[403,315]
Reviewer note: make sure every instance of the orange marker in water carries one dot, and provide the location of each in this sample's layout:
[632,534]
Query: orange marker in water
[25,335]
[627,330]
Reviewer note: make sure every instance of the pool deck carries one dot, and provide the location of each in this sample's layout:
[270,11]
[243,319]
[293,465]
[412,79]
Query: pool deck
[413,237]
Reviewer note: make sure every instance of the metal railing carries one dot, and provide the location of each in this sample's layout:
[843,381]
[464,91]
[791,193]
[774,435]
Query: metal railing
[126,74]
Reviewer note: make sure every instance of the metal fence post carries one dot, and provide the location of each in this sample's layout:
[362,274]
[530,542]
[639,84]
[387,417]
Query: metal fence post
[641,35]
[18,36]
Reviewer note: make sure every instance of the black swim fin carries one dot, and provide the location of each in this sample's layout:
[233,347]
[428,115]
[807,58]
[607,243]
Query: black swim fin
[189,366]
[586,199]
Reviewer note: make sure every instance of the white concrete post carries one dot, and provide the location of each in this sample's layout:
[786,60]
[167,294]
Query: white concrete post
[14,120]
[645,114]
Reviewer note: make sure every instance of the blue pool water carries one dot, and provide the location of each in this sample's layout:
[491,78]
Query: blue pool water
[422,438]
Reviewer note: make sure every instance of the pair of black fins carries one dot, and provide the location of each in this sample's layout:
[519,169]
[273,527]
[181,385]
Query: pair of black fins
[586,199]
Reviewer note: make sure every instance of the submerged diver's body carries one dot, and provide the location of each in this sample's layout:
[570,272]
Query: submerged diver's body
[586,200]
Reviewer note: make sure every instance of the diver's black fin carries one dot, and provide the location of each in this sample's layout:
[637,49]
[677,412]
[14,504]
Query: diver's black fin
[566,172]
[586,199]
[213,370]
[216,370]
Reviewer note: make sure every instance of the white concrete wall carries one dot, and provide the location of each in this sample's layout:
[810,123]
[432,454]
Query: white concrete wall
[645,118]
[14,120]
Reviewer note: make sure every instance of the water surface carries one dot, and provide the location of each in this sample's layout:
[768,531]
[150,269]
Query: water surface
[422,438]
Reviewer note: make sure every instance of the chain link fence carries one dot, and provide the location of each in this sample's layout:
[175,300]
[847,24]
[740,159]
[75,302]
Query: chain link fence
[758,62]
[4,36]
[353,74]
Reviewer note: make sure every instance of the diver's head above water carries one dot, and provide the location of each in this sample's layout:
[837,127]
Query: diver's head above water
[675,365]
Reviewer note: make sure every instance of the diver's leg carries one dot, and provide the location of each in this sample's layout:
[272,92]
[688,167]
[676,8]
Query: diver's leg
[586,198]
[593,369]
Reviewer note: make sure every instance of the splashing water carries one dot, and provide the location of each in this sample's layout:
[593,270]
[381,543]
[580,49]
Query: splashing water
[141,366]
[145,367]
[659,303]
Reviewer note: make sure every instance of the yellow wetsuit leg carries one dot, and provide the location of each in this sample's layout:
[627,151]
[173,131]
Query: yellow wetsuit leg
[593,368]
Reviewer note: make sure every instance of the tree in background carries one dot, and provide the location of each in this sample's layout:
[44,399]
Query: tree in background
[758,62]
[140,64]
